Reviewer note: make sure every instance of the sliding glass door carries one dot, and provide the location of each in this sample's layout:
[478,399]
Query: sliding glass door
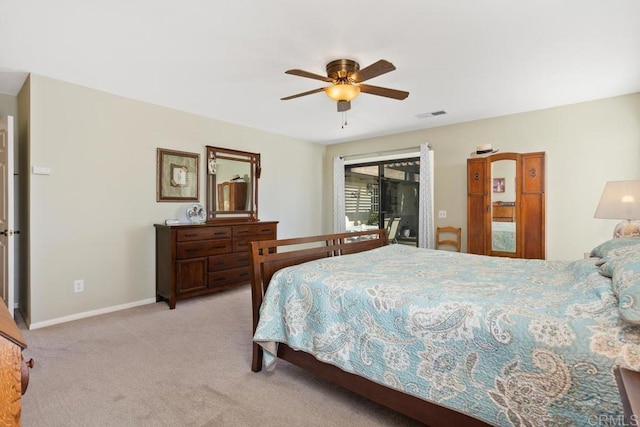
[384,194]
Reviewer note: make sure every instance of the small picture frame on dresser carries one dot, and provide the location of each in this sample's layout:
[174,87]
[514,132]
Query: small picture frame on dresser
[177,176]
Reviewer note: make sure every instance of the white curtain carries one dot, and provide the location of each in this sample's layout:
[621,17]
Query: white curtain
[426,237]
[339,223]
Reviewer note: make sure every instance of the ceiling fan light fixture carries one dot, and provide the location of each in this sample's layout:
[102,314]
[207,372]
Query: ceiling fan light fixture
[342,91]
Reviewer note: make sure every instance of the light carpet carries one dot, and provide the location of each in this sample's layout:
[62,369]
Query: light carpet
[151,366]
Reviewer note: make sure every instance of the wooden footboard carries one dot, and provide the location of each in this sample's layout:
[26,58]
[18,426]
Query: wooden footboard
[629,387]
[269,256]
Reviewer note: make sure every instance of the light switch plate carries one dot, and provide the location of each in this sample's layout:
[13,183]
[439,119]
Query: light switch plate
[41,170]
[442,214]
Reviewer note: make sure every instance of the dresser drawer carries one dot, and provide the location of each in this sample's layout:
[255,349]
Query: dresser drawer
[254,230]
[202,248]
[203,233]
[229,277]
[242,243]
[223,262]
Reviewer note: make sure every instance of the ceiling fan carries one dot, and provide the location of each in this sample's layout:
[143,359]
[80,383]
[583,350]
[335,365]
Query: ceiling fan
[346,79]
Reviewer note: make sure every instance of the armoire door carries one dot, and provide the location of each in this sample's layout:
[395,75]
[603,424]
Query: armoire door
[533,206]
[476,205]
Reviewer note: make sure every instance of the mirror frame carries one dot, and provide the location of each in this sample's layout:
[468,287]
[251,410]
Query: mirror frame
[253,159]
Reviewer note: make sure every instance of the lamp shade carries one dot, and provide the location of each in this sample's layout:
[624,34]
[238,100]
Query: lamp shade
[342,91]
[620,200]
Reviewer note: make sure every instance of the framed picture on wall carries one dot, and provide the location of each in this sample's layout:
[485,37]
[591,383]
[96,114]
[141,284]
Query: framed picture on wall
[177,176]
[498,185]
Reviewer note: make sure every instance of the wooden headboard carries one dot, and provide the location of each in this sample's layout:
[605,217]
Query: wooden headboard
[504,211]
[268,256]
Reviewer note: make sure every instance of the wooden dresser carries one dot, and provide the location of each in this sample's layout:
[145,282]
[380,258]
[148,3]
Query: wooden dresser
[200,259]
[14,375]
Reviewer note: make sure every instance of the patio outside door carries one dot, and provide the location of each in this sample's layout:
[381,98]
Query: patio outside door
[384,195]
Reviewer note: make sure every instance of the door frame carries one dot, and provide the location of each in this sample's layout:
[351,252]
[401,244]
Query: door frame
[7,206]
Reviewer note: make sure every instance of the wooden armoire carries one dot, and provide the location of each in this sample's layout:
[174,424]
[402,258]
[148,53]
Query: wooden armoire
[506,205]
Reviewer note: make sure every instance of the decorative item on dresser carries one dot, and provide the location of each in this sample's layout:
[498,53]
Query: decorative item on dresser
[199,259]
[509,222]
[14,371]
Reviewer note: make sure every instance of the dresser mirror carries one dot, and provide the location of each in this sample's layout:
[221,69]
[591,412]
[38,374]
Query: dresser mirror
[232,184]
[503,205]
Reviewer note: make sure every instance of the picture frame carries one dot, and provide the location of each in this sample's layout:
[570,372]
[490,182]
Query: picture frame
[177,176]
[498,185]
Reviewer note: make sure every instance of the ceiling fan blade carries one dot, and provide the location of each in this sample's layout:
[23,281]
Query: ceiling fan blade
[302,73]
[374,70]
[298,95]
[383,91]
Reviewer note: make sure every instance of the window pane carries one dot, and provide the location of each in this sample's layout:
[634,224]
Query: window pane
[361,199]
[382,193]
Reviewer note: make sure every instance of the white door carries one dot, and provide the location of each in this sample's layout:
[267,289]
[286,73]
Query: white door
[6,211]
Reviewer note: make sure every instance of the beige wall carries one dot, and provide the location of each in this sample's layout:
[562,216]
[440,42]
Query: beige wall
[24,107]
[8,105]
[92,217]
[587,144]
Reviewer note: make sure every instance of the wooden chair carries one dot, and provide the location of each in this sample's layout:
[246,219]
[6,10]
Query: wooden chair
[448,242]
[393,229]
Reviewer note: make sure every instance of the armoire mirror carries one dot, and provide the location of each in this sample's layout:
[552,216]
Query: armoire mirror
[232,184]
[506,205]
[503,205]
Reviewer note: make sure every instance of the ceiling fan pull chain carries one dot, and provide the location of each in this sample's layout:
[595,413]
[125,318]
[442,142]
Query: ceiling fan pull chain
[344,119]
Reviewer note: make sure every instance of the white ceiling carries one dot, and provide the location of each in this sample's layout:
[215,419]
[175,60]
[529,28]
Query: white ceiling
[226,59]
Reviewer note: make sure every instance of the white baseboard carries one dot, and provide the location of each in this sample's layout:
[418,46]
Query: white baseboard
[84,315]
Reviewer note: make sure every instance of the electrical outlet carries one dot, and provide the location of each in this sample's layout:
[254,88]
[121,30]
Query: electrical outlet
[78,285]
[442,214]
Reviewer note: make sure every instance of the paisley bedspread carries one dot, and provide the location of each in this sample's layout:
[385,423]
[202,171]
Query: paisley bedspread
[503,236]
[510,341]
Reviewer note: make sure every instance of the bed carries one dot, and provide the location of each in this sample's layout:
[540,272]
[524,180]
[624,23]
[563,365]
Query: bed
[450,338]
[503,227]
[503,236]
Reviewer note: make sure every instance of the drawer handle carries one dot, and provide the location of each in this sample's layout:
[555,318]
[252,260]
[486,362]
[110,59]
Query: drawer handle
[191,235]
[218,279]
[192,250]
[218,247]
[219,233]
[242,232]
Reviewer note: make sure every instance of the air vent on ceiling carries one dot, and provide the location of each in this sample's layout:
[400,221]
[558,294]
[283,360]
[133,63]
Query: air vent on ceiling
[431,114]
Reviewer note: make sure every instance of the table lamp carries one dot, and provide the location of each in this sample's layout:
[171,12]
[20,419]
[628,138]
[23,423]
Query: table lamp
[621,200]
